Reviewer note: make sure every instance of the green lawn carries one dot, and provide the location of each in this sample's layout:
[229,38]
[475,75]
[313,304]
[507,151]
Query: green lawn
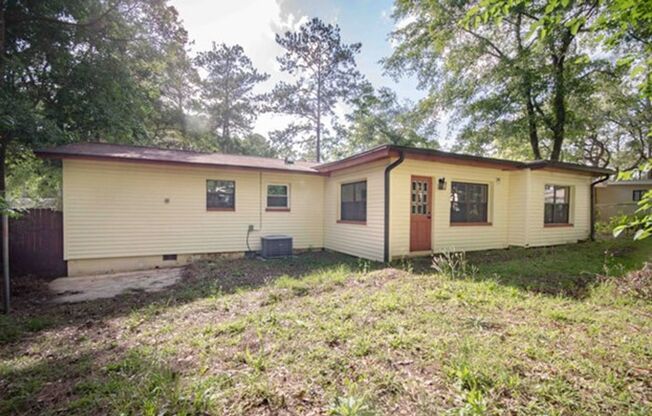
[531,331]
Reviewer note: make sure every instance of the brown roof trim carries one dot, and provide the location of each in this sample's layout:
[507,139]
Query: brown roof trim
[368,156]
[385,151]
[551,164]
[138,154]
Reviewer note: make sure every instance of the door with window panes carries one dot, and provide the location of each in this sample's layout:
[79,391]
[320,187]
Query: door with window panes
[420,213]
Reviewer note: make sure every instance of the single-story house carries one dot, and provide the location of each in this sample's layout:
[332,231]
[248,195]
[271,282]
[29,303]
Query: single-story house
[619,197]
[129,207]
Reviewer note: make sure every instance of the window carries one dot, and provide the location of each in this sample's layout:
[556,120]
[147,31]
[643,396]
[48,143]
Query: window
[419,204]
[278,197]
[637,194]
[353,199]
[220,195]
[557,204]
[469,202]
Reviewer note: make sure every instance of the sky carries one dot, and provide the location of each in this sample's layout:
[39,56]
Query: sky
[254,23]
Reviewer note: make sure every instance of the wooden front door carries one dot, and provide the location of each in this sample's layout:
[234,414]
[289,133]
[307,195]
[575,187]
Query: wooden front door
[420,213]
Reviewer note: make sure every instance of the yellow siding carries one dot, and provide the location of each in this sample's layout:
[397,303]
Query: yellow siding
[517,205]
[114,209]
[358,240]
[538,235]
[118,211]
[445,236]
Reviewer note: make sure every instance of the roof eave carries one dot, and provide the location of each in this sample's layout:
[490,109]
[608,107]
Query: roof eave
[46,154]
[549,164]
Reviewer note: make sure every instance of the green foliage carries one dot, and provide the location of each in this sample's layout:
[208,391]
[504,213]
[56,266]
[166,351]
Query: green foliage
[378,117]
[324,73]
[641,222]
[518,76]
[227,93]
[81,70]
[31,180]
[353,403]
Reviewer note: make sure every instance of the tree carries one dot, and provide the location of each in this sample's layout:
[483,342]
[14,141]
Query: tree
[614,127]
[501,83]
[80,70]
[379,118]
[256,145]
[228,93]
[178,89]
[325,74]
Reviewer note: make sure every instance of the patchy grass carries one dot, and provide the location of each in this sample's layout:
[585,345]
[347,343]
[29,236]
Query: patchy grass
[531,332]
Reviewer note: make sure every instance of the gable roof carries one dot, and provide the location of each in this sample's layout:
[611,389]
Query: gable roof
[128,153]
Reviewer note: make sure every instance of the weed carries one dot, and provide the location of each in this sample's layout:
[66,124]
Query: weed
[364,266]
[352,403]
[453,265]
[406,264]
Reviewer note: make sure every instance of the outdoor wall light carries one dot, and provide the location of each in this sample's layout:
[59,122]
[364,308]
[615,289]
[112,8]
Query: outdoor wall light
[441,183]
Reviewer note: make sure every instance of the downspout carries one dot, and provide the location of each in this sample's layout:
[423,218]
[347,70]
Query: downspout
[388,170]
[593,205]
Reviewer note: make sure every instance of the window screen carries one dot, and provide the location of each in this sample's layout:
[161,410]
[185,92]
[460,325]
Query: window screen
[277,196]
[353,199]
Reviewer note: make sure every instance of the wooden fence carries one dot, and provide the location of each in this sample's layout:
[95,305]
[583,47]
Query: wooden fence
[36,244]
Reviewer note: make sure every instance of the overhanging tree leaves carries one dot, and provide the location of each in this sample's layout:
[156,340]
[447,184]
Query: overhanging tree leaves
[228,94]
[324,72]
[81,70]
[500,82]
[378,117]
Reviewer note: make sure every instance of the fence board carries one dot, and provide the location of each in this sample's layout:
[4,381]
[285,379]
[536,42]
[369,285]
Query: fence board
[36,244]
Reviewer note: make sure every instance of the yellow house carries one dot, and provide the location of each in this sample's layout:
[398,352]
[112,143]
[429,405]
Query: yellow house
[128,207]
[619,197]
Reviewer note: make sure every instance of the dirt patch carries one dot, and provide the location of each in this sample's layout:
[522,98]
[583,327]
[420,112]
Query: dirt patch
[84,288]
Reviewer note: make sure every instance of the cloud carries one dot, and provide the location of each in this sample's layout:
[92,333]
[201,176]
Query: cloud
[253,25]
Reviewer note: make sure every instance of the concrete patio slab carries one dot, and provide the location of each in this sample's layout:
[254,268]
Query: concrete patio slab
[84,288]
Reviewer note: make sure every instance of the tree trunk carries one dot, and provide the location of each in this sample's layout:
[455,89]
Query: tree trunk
[4,136]
[318,150]
[531,122]
[559,105]
[559,98]
[3,156]
[527,90]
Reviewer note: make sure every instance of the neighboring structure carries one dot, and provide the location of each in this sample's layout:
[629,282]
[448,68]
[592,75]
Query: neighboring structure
[619,197]
[129,207]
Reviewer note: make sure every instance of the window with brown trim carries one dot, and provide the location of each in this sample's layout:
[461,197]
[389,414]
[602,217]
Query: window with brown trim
[220,194]
[278,196]
[556,204]
[353,201]
[637,194]
[469,202]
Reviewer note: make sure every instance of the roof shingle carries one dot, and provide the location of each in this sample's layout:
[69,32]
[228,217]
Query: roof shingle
[106,151]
